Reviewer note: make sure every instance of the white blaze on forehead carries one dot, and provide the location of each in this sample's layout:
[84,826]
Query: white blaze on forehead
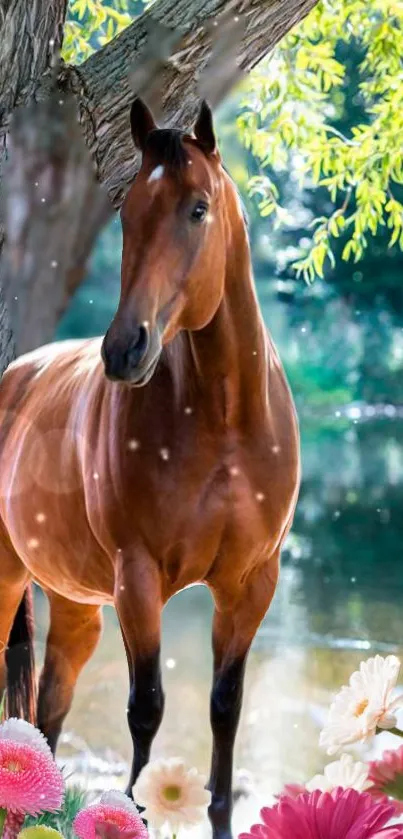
[156,174]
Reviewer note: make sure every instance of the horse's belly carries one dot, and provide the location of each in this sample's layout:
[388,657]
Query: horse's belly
[51,536]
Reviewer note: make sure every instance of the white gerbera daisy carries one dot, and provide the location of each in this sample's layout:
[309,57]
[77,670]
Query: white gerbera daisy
[346,773]
[20,731]
[364,705]
[171,794]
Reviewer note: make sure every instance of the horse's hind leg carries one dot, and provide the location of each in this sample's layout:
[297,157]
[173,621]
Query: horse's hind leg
[14,580]
[10,598]
[74,632]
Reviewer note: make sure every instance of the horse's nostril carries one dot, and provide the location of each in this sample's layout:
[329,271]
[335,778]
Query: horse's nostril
[138,346]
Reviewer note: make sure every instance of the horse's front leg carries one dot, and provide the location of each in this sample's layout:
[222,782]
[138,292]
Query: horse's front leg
[233,631]
[139,605]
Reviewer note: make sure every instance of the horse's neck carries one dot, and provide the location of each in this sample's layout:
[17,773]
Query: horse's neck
[230,354]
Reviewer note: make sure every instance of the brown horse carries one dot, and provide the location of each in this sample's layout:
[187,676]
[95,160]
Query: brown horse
[115,493]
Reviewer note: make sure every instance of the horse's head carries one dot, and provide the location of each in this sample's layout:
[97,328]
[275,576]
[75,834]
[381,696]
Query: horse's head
[176,233]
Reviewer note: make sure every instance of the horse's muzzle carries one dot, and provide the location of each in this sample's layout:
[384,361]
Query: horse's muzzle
[132,360]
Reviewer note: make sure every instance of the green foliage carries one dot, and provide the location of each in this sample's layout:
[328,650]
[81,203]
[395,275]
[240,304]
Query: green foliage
[292,103]
[74,801]
[91,24]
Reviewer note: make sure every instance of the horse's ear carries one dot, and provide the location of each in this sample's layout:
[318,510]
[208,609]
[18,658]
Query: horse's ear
[141,122]
[204,129]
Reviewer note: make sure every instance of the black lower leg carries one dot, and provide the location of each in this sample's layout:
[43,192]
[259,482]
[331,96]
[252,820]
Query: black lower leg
[225,709]
[144,712]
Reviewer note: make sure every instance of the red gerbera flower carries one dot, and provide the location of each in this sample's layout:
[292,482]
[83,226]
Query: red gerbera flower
[341,814]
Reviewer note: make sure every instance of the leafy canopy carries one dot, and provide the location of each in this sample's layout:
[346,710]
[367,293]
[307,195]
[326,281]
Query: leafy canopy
[90,24]
[292,103]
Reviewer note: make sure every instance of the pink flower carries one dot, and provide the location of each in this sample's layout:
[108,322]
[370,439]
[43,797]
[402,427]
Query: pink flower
[291,791]
[30,781]
[340,814]
[386,776]
[115,816]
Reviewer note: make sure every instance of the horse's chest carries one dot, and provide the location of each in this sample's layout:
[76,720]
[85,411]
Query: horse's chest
[194,514]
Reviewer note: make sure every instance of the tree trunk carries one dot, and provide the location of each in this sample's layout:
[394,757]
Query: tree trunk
[30,34]
[54,209]
[173,54]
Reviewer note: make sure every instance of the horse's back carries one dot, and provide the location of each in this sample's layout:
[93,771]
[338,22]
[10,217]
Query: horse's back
[48,366]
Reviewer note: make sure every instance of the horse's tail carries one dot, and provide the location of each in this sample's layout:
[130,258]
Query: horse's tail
[20,662]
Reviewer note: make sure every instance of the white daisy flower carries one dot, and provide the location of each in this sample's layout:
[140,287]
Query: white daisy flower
[346,773]
[364,705]
[172,794]
[20,731]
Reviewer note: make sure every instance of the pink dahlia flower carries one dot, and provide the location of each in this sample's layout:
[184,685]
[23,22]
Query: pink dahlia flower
[30,781]
[341,814]
[386,775]
[115,817]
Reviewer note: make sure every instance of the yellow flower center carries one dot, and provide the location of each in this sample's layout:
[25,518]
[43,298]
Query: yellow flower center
[361,707]
[13,766]
[172,793]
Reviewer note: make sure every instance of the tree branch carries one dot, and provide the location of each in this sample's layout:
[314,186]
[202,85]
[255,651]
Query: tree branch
[104,91]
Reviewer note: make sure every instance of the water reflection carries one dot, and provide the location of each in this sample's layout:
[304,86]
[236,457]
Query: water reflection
[339,598]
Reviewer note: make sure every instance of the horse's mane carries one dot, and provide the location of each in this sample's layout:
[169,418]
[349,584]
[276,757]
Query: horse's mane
[175,357]
[166,145]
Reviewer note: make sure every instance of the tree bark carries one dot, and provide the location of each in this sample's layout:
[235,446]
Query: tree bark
[30,34]
[104,84]
[54,209]
[173,54]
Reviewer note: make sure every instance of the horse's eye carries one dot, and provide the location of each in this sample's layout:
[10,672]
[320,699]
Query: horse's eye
[199,211]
